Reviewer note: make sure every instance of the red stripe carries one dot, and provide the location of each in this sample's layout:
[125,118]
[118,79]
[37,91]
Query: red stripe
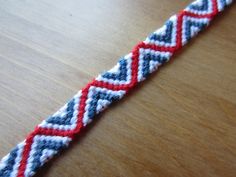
[81,109]
[190,14]
[179,30]
[109,86]
[102,84]
[54,132]
[25,154]
[215,8]
[158,48]
[134,67]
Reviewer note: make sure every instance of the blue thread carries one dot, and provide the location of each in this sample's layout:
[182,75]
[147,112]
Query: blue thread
[146,62]
[122,75]
[189,24]
[41,145]
[6,171]
[66,119]
[164,38]
[203,7]
[100,96]
[223,3]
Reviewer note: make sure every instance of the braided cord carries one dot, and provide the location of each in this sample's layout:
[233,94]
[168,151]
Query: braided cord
[57,131]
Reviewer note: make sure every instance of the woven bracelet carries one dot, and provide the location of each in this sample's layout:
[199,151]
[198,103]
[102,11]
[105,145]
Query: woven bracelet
[57,131]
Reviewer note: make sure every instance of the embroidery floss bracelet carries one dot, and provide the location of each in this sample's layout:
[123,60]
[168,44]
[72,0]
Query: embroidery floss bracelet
[57,131]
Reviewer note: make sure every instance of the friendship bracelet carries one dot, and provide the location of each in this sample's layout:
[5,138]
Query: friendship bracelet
[57,131]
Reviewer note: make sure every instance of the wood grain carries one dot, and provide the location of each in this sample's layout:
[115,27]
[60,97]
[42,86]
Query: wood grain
[181,122]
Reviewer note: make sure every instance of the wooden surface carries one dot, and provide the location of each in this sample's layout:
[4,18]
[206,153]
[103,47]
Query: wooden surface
[180,123]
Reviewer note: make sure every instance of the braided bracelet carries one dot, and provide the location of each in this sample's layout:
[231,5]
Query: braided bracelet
[57,131]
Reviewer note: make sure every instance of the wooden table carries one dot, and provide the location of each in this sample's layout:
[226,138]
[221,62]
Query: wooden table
[180,123]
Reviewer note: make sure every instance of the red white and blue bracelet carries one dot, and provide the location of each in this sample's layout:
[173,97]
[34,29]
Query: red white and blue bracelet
[57,131]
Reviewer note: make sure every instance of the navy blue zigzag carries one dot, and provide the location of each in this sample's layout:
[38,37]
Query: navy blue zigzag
[168,34]
[42,145]
[189,24]
[7,170]
[122,75]
[66,119]
[151,57]
[203,7]
[223,3]
[99,95]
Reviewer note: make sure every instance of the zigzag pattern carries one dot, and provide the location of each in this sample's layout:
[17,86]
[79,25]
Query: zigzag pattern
[201,7]
[166,35]
[43,148]
[66,117]
[191,26]
[149,60]
[99,99]
[55,133]
[120,74]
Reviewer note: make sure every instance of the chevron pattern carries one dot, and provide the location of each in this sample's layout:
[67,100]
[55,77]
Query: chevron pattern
[120,74]
[191,26]
[43,148]
[57,131]
[66,117]
[99,99]
[166,35]
[201,7]
[149,60]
